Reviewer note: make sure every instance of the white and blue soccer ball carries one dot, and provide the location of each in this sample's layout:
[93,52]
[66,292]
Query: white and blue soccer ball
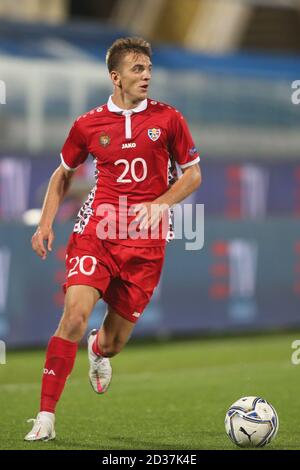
[251,422]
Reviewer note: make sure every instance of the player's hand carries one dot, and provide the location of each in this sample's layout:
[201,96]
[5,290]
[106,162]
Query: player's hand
[149,214]
[37,241]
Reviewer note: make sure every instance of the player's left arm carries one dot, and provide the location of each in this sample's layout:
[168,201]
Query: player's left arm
[184,186]
[181,146]
[181,189]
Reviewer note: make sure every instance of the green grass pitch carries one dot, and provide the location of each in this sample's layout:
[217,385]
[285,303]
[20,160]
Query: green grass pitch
[171,395]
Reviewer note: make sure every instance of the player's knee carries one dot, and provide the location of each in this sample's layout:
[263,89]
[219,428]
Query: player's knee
[73,328]
[74,320]
[77,311]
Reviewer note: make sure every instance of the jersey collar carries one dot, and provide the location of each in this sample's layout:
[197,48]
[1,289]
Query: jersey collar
[113,108]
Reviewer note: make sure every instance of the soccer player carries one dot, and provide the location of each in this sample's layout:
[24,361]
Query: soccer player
[135,142]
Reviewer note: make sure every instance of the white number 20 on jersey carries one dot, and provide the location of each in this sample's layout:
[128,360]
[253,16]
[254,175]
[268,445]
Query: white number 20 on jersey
[130,170]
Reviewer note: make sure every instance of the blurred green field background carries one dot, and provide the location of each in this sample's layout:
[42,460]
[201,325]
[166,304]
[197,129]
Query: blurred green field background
[164,395]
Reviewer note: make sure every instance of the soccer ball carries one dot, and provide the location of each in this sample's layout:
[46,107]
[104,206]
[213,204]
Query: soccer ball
[251,422]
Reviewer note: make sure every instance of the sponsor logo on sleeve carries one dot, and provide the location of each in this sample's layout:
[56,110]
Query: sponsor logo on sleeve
[192,151]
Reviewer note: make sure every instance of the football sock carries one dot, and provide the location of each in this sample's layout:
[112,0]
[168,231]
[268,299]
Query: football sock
[95,347]
[46,414]
[60,358]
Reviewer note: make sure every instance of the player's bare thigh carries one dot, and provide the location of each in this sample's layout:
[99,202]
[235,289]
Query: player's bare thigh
[80,301]
[114,333]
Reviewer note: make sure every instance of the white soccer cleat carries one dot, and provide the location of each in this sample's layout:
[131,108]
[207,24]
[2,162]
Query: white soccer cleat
[43,427]
[100,372]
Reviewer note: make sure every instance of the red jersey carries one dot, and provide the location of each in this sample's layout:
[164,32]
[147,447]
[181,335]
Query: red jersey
[134,152]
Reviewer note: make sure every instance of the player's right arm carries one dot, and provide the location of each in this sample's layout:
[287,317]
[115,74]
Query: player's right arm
[57,188]
[74,152]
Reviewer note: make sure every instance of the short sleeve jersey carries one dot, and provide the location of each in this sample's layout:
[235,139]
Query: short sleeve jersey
[134,153]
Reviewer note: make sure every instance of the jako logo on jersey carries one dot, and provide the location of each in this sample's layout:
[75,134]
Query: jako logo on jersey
[104,140]
[49,372]
[131,145]
[154,134]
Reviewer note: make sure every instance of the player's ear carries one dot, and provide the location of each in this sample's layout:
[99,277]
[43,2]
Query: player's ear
[115,77]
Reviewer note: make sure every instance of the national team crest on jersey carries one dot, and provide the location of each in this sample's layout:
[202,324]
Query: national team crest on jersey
[154,134]
[104,140]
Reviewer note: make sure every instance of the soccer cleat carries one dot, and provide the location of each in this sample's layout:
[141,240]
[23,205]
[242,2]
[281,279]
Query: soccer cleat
[43,428]
[100,369]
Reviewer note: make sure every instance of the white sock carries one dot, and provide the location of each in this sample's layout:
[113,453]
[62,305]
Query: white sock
[47,414]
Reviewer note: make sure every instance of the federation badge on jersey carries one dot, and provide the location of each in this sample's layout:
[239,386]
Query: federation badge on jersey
[104,140]
[154,134]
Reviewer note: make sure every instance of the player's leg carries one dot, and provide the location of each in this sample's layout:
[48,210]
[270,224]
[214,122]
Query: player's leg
[106,343]
[114,333]
[127,297]
[79,304]
[60,356]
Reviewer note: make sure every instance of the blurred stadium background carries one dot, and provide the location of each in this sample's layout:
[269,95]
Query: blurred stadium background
[228,65]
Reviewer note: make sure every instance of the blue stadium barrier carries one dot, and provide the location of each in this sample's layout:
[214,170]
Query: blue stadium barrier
[246,278]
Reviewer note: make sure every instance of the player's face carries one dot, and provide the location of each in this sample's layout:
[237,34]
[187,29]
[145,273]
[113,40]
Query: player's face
[135,76]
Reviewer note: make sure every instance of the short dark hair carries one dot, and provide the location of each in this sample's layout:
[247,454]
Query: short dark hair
[123,46]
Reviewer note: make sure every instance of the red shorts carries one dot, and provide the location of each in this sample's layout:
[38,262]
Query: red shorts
[126,276]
